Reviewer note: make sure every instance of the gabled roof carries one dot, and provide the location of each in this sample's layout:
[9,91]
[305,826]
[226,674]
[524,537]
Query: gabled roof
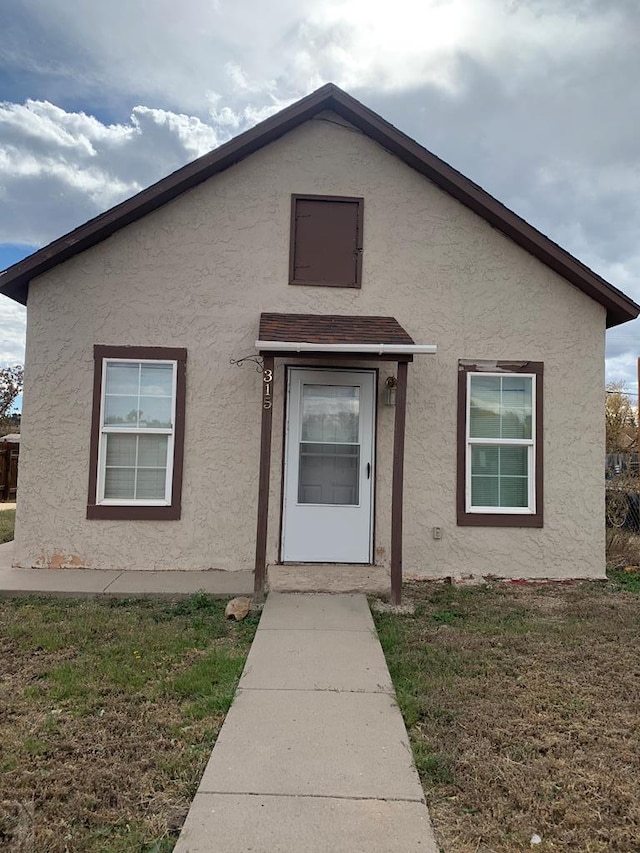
[14,282]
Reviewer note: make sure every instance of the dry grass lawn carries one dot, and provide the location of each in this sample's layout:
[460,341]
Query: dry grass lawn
[7,522]
[108,714]
[523,707]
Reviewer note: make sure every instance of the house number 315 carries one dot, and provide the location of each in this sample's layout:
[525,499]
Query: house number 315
[267,378]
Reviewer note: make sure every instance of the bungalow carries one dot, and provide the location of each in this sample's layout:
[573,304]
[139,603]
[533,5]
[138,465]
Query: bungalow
[428,383]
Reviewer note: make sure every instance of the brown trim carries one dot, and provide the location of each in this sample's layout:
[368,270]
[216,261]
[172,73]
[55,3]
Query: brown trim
[292,237]
[477,519]
[285,404]
[138,513]
[339,356]
[260,574]
[374,484]
[95,429]
[295,197]
[620,308]
[398,484]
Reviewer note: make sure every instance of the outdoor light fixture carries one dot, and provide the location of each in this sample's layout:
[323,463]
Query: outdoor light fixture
[390,391]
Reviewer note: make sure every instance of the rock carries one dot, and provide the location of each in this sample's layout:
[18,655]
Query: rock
[237,608]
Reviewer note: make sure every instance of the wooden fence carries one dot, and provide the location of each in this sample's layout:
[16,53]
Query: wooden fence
[9,451]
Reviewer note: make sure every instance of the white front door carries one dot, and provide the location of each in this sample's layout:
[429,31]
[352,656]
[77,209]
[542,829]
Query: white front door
[328,485]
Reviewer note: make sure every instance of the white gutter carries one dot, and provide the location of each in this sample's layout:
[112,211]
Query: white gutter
[379,349]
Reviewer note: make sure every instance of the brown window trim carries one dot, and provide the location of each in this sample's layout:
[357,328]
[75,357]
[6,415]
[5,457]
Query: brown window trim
[478,519]
[138,513]
[359,244]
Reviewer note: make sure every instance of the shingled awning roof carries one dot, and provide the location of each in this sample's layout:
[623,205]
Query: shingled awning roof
[332,329]
[336,333]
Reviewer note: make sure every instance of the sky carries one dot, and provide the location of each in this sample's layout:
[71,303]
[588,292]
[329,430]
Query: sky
[538,101]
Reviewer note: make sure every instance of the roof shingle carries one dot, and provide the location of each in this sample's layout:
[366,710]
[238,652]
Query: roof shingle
[332,329]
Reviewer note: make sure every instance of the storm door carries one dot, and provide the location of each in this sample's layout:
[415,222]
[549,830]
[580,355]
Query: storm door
[328,488]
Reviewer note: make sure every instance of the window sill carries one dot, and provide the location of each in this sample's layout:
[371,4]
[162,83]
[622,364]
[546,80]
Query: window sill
[351,285]
[499,519]
[128,512]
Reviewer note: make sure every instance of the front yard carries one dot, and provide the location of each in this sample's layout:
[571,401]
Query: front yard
[522,704]
[108,714]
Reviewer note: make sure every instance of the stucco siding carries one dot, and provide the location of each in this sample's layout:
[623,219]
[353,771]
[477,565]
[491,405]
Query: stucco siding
[198,272]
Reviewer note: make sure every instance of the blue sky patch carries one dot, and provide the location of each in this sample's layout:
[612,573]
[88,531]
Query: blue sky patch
[11,254]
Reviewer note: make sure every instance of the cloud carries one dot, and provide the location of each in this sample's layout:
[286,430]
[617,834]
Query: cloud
[405,44]
[173,55]
[13,322]
[164,53]
[58,169]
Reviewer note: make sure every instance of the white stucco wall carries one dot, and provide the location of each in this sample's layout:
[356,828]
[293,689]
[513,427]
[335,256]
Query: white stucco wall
[199,271]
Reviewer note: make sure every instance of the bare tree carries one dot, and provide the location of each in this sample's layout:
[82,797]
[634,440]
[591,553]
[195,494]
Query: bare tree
[620,420]
[11,380]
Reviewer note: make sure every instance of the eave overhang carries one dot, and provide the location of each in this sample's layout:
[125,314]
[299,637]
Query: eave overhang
[14,282]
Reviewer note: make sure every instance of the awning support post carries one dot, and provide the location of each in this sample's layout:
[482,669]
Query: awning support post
[398,483]
[260,571]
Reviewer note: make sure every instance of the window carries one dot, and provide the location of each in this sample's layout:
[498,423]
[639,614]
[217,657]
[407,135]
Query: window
[326,241]
[500,444]
[137,433]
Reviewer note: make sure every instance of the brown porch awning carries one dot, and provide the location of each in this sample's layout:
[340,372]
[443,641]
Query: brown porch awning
[333,329]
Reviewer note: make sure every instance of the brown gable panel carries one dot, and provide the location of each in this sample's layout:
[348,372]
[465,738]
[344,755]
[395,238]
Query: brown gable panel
[326,241]
[332,329]
[14,282]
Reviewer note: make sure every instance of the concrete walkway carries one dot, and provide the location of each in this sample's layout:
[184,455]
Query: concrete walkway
[313,755]
[90,583]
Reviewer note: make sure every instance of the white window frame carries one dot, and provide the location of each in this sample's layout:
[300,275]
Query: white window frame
[106,430]
[529,443]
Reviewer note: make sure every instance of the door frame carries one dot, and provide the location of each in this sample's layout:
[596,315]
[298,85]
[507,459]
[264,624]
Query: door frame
[374,448]
[268,357]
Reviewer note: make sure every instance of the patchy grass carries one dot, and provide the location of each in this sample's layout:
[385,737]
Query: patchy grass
[108,713]
[522,708]
[626,579]
[623,548]
[7,523]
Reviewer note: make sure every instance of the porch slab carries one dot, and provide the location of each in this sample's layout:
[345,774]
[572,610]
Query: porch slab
[316,613]
[317,660]
[328,577]
[149,583]
[63,583]
[90,583]
[313,743]
[238,823]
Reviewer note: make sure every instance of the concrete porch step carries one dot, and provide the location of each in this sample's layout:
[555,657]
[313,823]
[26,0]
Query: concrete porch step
[328,577]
